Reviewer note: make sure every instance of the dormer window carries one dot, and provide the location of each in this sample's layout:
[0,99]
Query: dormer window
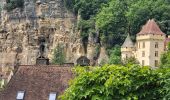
[20,95]
[53,96]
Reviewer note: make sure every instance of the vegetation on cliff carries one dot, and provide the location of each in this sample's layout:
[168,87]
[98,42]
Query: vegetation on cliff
[12,4]
[113,19]
[59,55]
[116,82]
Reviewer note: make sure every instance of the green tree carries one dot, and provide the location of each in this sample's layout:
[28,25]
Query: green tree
[165,58]
[114,82]
[114,18]
[130,17]
[59,55]
[130,61]
[115,55]
[142,10]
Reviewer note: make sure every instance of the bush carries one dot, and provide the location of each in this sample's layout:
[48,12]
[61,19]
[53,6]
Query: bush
[115,55]
[115,82]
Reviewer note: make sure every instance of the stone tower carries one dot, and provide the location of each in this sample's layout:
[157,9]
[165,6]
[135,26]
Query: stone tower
[150,44]
[127,48]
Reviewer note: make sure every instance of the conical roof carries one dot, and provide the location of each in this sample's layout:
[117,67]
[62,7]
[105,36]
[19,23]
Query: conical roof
[151,27]
[128,42]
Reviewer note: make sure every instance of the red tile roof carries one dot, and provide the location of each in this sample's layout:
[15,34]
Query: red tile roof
[37,82]
[151,27]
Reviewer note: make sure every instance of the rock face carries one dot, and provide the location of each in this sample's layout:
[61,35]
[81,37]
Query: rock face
[22,30]
[47,21]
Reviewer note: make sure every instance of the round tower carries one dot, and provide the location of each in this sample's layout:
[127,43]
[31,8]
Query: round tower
[127,48]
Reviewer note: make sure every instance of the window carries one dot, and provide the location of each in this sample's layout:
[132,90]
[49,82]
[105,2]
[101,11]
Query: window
[20,95]
[0,48]
[143,62]
[126,56]
[156,53]
[156,44]
[143,45]
[156,63]
[143,53]
[52,96]
[139,45]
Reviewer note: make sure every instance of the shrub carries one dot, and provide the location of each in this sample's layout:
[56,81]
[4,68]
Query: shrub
[115,82]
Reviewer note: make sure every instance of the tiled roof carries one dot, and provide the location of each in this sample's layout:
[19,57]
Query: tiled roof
[37,82]
[128,42]
[151,27]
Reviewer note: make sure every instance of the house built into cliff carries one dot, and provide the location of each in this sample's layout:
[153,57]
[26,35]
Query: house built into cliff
[150,44]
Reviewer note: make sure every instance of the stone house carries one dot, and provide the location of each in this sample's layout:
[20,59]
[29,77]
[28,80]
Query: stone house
[150,43]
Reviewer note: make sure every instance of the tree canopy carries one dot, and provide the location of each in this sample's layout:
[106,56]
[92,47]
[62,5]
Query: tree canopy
[116,82]
[115,18]
[165,58]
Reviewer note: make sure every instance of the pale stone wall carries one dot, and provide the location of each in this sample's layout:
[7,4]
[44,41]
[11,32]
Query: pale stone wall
[149,49]
[146,54]
[127,53]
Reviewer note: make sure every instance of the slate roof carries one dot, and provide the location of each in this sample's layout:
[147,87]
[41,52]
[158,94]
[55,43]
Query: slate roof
[151,27]
[37,82]
[128,42]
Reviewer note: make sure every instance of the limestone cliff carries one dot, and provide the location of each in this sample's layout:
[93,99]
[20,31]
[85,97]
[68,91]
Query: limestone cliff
[21,31]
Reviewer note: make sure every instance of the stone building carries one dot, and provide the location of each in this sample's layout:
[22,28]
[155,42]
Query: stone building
[150,44]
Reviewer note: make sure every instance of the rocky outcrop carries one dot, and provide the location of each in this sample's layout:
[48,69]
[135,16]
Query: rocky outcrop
[21,31]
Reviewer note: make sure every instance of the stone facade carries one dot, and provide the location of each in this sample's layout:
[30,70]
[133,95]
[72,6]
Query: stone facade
[150,44]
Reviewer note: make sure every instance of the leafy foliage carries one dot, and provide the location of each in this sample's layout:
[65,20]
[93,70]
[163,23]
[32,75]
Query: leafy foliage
[59,55]
[115,18]
[130,17]
[131,60]
[115,55]
[12,4]
[165,58]
[114,82]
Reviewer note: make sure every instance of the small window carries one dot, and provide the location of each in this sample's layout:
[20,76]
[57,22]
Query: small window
[52,96]
[139,45]
[143,53]
[0,48]
[156,44]
[143,62]
[156,53]
[126,56]
[20,95]
[143,44]
[156,63]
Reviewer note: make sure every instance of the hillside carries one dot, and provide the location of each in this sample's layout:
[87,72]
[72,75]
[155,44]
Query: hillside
[92,28]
